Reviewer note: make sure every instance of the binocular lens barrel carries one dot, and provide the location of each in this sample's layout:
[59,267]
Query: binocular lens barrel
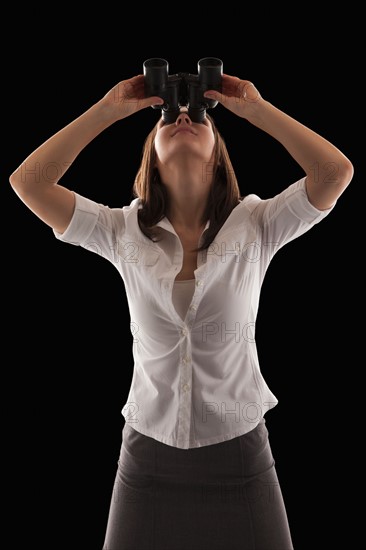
[210,72]
[156,72]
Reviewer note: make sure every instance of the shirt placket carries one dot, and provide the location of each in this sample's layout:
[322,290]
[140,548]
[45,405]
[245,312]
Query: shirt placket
[185,344]
[186,366]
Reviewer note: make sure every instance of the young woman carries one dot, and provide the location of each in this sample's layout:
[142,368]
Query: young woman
[196,469]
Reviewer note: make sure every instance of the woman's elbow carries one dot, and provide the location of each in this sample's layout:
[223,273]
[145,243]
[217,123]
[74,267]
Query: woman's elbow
[339,176]
[347,172]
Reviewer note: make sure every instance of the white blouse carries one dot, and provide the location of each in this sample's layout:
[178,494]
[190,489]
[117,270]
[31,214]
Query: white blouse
[196,377]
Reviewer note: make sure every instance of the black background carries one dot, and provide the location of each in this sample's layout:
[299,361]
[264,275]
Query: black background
[67,358]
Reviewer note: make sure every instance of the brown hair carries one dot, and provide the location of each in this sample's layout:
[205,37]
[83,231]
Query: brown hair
[223,197]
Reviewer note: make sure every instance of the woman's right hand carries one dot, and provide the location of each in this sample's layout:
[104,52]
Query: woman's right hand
[127,98]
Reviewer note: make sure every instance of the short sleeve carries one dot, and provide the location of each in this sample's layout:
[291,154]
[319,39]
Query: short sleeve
[95,227]
[297,201]
[83,221]
[287,215]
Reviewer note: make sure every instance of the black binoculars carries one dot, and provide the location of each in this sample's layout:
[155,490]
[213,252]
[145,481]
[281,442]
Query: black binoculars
[182,89]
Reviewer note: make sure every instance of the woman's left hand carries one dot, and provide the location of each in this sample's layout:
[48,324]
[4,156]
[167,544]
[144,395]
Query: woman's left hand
[239,96]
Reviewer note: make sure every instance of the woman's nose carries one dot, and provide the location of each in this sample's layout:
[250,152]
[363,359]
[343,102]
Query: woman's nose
[183,118]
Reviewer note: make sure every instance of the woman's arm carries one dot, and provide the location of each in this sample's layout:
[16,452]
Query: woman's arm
[36,180]
[328,171]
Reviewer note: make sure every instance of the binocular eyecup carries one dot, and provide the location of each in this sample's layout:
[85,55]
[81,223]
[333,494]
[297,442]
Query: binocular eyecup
[182,89]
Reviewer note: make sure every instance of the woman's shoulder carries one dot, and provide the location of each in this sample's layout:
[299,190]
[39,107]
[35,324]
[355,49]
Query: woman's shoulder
[250,201]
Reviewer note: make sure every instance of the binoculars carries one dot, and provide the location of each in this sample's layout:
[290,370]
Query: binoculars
[182,89]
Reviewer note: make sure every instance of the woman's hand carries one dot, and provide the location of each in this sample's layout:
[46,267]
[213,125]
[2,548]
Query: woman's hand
[127,98]
[239,96]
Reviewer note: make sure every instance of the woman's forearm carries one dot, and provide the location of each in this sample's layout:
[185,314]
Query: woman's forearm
[48,163]
[327,169]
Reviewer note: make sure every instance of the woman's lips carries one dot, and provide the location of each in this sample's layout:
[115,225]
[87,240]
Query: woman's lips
[183,130]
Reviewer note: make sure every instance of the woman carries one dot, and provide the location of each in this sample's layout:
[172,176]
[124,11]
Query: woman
[195,468]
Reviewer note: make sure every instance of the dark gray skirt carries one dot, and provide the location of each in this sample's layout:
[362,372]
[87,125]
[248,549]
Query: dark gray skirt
[224,496]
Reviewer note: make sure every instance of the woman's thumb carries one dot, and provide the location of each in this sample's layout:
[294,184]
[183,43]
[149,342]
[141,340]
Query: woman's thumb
[154,101]
[212,94]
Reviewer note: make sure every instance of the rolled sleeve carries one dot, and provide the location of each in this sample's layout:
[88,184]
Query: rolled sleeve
[286,216]
[83,222]
[298,203]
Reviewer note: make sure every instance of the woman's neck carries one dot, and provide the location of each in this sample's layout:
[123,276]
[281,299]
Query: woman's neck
[186,212]
[188,191]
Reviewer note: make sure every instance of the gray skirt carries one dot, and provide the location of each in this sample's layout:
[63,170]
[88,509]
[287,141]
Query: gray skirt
[224,496]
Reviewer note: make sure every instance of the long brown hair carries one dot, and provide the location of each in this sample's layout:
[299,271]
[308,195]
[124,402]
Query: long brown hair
[223,197]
